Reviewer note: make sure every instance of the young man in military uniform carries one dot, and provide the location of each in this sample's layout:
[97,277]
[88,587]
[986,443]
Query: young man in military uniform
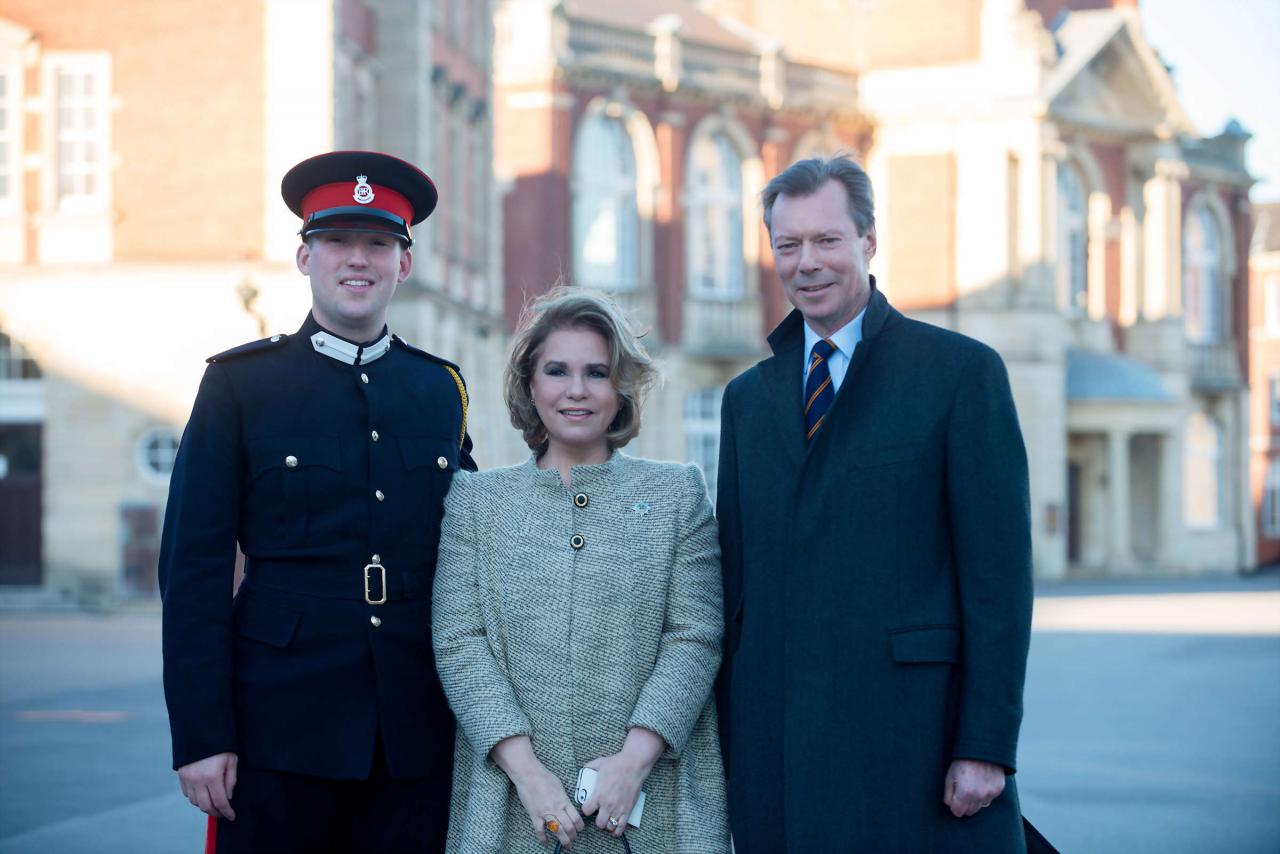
[306,713]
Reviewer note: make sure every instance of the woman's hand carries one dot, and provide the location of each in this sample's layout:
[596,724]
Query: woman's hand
[539,790]
[620,778]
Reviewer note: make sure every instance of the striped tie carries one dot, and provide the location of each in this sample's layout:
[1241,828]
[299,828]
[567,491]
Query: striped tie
[818,390]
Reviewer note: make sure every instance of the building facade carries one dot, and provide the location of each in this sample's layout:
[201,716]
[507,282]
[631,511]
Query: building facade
[633,140]
[1038,187]
[141,230]
[1078,224]
[1264,379]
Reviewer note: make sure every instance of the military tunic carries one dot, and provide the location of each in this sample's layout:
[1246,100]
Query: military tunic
[329,468]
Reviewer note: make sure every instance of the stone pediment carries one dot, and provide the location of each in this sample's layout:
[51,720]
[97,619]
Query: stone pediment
[1109,79]
[12,35]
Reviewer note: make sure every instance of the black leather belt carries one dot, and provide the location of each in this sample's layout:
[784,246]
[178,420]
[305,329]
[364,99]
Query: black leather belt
[374,583]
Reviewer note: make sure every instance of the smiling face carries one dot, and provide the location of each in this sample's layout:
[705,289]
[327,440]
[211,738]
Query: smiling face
[574,393]
[353,277]
[820,257]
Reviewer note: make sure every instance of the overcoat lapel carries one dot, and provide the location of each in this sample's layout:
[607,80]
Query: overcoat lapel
[782,375]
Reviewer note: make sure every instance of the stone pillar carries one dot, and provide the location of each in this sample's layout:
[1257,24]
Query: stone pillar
[1119,552]
[1172,529]
[1162,273]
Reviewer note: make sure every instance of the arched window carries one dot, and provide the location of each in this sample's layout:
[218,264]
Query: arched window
[606,223]
[1073,239]
[716,268]
[1202,277]
[1202,461]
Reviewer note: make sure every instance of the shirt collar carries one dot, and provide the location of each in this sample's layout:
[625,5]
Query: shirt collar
[845,338]
[336,347]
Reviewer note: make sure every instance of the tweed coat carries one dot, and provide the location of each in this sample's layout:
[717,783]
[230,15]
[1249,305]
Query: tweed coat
[878,591]
[573,646]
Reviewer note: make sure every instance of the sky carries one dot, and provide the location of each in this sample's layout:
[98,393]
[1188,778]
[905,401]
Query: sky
[1226,64]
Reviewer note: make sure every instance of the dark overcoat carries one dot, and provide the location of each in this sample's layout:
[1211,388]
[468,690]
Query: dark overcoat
[313,466]
[877,592]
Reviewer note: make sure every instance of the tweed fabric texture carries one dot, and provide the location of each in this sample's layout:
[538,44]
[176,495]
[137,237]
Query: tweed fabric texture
[575,646]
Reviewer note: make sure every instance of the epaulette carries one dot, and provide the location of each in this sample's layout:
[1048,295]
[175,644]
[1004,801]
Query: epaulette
[454,371]
[415,351]
[252,347]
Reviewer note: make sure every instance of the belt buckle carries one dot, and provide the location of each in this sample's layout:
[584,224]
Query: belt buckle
[382,571]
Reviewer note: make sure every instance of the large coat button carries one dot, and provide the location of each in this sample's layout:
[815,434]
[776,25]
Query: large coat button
[291,461]
[378,494]
[377,621]
[580,500]
[577,542]
[442,462]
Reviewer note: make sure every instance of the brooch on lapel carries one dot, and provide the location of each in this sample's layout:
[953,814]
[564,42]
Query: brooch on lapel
[640,507]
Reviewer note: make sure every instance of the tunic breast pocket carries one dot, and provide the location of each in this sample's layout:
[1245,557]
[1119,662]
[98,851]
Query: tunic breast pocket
[292,481]
[429,464]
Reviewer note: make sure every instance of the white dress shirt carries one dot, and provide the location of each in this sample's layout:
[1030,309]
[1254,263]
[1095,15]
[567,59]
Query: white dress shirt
[845,339]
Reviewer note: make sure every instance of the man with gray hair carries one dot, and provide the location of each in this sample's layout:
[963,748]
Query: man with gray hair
[875,530]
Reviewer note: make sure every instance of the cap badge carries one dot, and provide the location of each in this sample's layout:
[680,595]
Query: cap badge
[363,193]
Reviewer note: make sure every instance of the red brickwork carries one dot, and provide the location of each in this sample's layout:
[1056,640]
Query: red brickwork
[188,125]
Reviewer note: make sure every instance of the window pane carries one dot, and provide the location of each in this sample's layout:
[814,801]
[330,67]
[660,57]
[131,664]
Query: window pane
[1271,501]
[1202,291]
[1271,304]
[606,221]
[702,432]
[716,266]
[1073,238]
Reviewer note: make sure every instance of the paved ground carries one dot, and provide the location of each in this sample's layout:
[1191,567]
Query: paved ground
[1153,725]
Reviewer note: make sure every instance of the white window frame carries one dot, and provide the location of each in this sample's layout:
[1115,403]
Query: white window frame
[715,205]
[147,452]
[1270,521]
[1273,399]
[1203,458]
[606,212]
[702,432]
[95,66]
[1073,241]
[1203,276]
[11,135]
[1271,304]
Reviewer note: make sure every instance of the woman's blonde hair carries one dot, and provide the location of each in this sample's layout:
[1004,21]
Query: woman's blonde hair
[631,370]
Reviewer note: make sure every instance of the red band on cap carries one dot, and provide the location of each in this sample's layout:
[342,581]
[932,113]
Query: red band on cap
[344,194]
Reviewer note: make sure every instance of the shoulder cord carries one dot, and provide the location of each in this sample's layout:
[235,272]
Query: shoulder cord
[462,395]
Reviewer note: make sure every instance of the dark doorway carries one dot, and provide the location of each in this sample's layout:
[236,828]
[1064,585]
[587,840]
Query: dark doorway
[21,486]
[141,551]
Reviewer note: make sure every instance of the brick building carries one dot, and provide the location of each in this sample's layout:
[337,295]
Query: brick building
[1264,379]
[1038,187]
[633,140]
[141,230]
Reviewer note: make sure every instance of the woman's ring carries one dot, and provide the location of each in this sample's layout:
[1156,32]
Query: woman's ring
[550,823]
[987,804]
[613,822]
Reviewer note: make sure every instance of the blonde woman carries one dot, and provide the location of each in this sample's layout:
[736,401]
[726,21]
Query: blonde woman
[577,612]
